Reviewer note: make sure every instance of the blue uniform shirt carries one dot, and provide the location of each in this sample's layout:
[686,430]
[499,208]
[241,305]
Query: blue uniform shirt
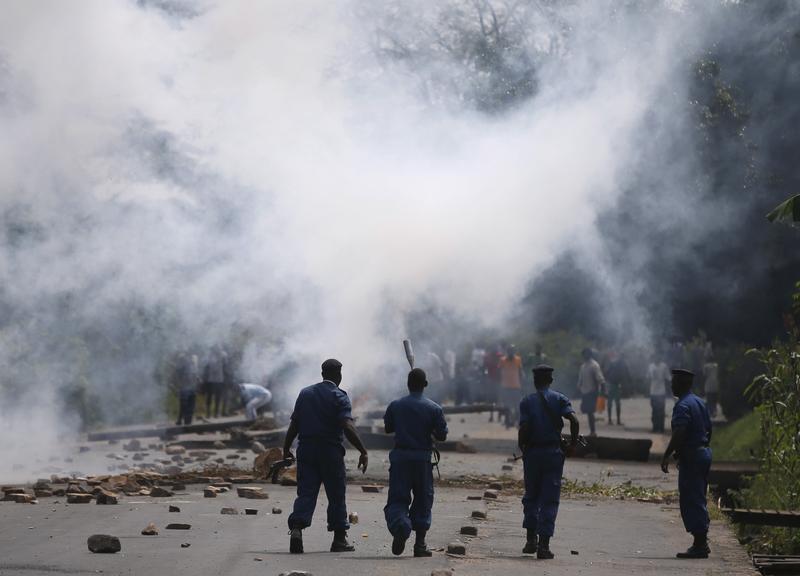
[319,411]
[414,419]
[541,428]
[691,412]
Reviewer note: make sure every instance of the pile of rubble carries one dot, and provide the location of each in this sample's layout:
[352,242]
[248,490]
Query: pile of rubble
[107,489]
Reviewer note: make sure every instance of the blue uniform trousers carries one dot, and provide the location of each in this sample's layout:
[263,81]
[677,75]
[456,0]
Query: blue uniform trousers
[694,465]
[543,471]
[410,472]
[320,463]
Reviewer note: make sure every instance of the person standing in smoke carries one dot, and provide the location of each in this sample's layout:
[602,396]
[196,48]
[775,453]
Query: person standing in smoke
[591,383]
[321,419]
[450,372]
[186,375]
[691,437]
[711,374]
[491,368]
[230,387]
[658,378]
[415,421]
[534,359]
[435,369]
[618,377]
[214,379]
[539,439]
[510,367]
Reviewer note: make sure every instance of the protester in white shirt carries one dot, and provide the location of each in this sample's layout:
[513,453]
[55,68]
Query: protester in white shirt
[659,377]
[253,398]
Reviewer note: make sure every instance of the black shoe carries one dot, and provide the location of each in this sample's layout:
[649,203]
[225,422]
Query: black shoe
[530,547]
[296,541]
[340,543]
[399,544]
[421,551]
[544,553]
[695,552]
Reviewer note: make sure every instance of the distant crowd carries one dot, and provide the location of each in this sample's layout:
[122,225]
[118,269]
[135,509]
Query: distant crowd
[498,375]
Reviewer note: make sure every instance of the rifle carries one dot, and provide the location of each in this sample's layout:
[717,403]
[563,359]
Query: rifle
[582,442]
[410,357]
[276,468]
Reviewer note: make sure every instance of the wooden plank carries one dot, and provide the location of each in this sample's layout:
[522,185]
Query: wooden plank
[769,565]
[782,518]
[152,431]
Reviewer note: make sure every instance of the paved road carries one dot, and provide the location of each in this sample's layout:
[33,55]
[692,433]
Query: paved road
[611,537]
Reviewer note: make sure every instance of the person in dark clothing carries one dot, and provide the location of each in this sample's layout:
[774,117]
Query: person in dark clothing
[415,421]
[617,379]
[321,419]
[187,379]
[541,421]
[214,380]
[691,437]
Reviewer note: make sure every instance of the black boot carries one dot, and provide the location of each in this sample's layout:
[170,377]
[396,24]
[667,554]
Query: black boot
[532,543]
[543,550]
[340,543]
[699,549]
[420,548]
[295,541]
[399,544]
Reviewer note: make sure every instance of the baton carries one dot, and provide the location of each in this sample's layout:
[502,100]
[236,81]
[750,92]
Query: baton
[409,352]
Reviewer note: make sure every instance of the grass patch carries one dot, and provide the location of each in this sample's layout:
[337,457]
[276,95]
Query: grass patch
[739,441]
[624,491]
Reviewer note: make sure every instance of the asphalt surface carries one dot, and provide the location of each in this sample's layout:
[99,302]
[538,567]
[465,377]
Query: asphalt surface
[610,537]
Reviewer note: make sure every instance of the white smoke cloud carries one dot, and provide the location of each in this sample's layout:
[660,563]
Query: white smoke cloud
[261,164]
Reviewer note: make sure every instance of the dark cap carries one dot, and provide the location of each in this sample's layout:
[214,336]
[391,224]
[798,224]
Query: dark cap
[542,369]
[683,373]
[331,365]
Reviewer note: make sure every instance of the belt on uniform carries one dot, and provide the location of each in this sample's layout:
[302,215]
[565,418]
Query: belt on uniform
[554,444]
[398,447]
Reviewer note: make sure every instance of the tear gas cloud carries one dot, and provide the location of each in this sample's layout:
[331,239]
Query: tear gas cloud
[303,174]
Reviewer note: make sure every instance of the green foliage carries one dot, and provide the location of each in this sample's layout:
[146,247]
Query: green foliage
[762,493]
[738,442]
[722,104]
[787,211]
[777,394]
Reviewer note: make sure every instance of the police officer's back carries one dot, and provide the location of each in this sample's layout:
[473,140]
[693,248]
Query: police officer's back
[414,420]
[539,439]
[321,419]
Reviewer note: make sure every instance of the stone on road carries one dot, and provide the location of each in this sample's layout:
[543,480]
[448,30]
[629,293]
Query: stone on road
[104,544]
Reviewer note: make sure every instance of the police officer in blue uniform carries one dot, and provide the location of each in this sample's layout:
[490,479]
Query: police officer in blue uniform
[691,436]
[414,420]
[322,419]
[541,421]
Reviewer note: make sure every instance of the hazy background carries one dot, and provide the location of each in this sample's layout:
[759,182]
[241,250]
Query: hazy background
[309,179]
